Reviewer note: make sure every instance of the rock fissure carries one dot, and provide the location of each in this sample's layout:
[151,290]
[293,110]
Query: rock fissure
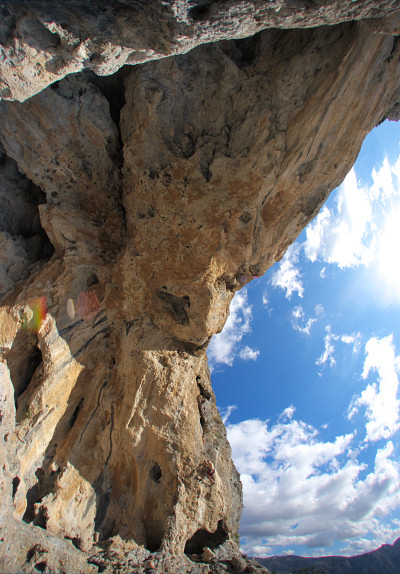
[163,188]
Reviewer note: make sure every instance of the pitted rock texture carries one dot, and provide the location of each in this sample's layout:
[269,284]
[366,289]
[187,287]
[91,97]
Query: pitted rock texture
[162,189]
[41,41]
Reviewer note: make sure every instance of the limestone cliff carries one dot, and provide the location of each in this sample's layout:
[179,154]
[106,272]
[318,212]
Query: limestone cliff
[133,207]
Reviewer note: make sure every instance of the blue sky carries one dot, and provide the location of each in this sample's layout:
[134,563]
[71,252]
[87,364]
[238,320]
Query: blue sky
[306,374]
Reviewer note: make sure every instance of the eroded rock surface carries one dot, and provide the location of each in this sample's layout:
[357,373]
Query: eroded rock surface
[161,190]
[41,41]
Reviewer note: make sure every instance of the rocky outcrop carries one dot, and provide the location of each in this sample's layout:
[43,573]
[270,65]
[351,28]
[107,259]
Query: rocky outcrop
[160,191]
[41,42]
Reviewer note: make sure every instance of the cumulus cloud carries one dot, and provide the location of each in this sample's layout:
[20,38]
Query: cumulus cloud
[225,346]
[287,276]
[299,489]
[382,407]
[383,186]
[248,354]
[328,355]
[341,236]
[362,229]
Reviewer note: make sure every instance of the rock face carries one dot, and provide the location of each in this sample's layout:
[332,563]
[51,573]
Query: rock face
[41,42]
[134,206]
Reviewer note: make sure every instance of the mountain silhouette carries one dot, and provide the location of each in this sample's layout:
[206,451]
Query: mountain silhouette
[384,560]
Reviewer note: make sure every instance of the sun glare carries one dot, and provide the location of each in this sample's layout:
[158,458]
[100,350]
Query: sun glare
[388,257]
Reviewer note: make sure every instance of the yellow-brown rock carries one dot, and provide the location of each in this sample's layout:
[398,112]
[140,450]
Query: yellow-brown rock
[162,189]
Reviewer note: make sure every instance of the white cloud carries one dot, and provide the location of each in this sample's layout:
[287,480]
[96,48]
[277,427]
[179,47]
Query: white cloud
[388,261]
[300,322]
[287,276]
[287,414]
[362,228]
[328,355]
[248,354]
[383,186]
[299,489]
[381,533]
[341,237]
[225,346]
[226,412]
[380,398]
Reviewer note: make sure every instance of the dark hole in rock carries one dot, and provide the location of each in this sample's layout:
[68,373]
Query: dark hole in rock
[153,542]
[255,270]
[92,280]
[30,554]
[112,88]
[108,529]
[200,12]
[98,563]
[203,391]
[23,359]
[35,552]
[177,305]
[40,474]
[76,541]
[202,403]
[246,50]
[245,217]
[202,419]
[155,472]
[41,566]
[20,219]
[15,484]
[41,518]
[203,538]
[103,499]
[76,413]
[33,496]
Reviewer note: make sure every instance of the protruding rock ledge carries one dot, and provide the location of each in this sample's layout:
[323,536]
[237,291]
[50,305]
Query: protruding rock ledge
[41,42]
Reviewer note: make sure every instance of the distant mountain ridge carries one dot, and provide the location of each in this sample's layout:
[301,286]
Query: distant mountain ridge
[384,560]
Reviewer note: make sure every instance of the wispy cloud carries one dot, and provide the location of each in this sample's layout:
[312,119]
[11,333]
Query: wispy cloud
[225,346]
[328,355]
[287,276]
[300,322]
[226,412]
[380,398]
[299,489]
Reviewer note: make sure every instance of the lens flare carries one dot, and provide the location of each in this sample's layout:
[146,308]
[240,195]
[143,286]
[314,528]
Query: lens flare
[36,317]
